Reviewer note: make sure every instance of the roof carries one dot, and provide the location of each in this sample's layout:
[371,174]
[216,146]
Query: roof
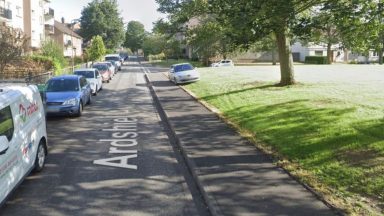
[66,77]
[85,69]
[63,28]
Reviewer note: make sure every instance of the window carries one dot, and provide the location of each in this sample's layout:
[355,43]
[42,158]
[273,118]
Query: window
[318,53]
[83,82]
[6,123]
[18,11]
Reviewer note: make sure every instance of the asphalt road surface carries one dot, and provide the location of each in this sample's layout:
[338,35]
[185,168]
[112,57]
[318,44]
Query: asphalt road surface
[116,159]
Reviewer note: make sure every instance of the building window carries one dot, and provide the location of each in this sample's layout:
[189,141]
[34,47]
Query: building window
[18,11]
[318,53]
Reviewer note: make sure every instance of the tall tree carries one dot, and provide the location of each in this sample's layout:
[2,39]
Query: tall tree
[12,43]
[102,17]
[154,44]
[134,35]
[97,49]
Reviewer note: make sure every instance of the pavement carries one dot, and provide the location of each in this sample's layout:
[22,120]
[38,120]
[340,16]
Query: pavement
[233,175]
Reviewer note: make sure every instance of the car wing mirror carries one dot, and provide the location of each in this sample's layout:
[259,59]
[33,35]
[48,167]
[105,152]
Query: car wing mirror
[4,145]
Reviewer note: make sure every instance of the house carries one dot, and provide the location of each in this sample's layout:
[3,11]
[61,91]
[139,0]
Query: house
[68,39]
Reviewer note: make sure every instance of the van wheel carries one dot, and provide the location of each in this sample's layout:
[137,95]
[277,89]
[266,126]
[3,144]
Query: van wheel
[40,157]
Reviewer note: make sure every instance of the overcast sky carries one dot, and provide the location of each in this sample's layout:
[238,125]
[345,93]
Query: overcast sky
[143,11]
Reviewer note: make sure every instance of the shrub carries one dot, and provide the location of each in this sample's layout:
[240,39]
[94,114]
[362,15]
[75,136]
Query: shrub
[48,63]
[316,60]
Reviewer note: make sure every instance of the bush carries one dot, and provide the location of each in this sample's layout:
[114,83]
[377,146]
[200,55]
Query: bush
[157,57]
[316,60]
[48,63]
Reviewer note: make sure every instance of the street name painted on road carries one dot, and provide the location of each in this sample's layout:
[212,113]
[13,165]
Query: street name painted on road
[124,139]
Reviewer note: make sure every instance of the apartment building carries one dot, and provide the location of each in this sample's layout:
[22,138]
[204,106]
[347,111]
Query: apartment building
[38,18]
[11,13]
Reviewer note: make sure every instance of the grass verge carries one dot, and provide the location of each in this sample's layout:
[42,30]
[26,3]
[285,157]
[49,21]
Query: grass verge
[329,135]
[168,63]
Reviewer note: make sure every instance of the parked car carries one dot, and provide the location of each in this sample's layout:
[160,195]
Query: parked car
[112,68]
[114,57]
[67,95]
[223,63]
[93,77]
[183,73]
[104,70]
[115,65]
[23,136]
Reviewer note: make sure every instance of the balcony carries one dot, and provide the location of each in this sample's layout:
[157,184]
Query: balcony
[49,29]
[5,13]
[49,14]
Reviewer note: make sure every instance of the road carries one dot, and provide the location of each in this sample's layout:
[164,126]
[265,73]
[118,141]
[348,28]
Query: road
[143,150]
[116,159]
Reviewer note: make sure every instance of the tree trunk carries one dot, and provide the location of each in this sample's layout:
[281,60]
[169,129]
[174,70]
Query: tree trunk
[273,57]
[329,53]
[381,50]
[346,55]
[285,57]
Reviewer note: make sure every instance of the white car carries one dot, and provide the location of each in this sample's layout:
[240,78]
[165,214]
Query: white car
[183,73]
[223,63]
[114,57]
[23,136]
[93,77]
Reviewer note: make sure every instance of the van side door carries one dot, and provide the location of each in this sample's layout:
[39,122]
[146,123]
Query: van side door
[10,158]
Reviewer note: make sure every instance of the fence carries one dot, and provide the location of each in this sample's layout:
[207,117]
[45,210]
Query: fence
[69,70]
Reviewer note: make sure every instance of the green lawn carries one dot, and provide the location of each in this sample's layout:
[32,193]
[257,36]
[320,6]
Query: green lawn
[333,131]
[168,63]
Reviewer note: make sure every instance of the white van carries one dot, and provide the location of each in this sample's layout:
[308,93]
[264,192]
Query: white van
[23,135]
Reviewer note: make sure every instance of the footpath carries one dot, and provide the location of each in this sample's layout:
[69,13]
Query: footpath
[234,176]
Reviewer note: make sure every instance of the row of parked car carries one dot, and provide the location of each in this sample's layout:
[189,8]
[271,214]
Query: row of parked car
[23,134]
[68,94]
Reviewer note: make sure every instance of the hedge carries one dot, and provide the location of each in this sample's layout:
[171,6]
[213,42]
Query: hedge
[316,60]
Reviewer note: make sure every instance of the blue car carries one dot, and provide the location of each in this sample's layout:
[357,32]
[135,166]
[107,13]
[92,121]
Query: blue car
[67,95]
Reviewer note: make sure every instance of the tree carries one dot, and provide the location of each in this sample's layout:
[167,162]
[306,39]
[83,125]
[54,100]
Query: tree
[12,42]
[134,36]
[102,17]
[97,49]
[361,24]
[154,44]
[53,50]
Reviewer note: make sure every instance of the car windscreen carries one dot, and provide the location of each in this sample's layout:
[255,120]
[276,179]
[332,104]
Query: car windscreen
[180,68]
[112,62]
[86,74]
[62,85]
[114,58]
[101,67]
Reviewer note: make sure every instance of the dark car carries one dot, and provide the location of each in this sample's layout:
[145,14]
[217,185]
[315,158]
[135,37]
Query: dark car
[67,95]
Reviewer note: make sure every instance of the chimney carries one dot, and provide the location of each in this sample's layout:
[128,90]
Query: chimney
[62,20]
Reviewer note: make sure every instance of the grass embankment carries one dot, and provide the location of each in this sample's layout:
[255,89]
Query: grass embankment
[169,62]
[332,133]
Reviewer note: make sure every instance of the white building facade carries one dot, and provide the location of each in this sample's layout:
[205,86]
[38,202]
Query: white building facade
[11,13]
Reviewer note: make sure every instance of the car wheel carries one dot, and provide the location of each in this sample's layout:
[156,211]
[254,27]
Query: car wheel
[80,112]
[89,99]
[40,156]
[95,94]
[108,80]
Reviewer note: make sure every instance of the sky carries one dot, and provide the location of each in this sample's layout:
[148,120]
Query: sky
[144,11]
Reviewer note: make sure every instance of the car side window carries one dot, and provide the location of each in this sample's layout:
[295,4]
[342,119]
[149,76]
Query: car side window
[83,82]
[6,123]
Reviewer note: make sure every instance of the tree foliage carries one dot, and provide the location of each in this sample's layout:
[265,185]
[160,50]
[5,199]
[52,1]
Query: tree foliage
[97,49]
[154,44]
[53,50]
[12,43]
[134,35]
[102,17]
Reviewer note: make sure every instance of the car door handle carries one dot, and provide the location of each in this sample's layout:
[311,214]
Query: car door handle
[4,151]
